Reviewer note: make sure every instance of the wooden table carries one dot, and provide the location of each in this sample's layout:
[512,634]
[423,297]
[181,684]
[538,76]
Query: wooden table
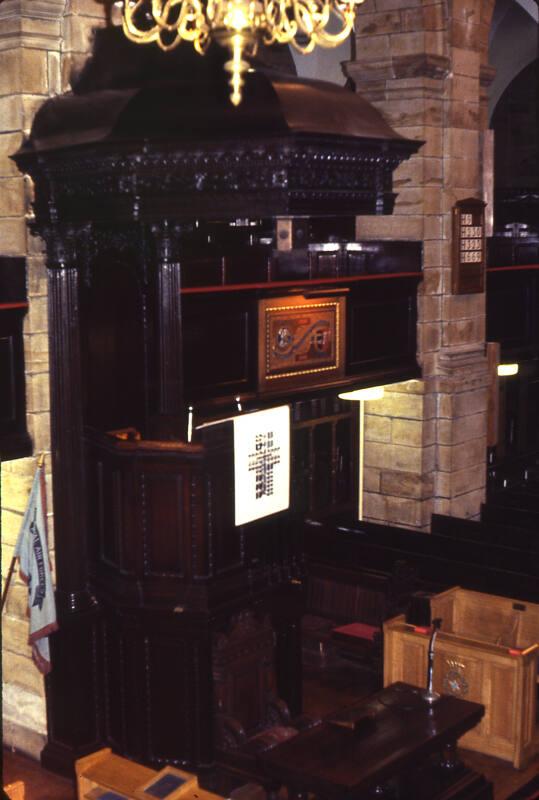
[396,732]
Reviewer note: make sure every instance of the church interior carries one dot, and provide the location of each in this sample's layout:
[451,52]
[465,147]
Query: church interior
[270,328]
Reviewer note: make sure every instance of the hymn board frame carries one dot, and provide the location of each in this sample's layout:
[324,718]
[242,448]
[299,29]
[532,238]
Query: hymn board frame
[469,246]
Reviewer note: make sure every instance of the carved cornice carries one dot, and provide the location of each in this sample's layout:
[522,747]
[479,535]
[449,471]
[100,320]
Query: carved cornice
[268,178]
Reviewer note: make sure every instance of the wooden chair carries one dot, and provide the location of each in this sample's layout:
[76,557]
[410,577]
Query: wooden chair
[250,718]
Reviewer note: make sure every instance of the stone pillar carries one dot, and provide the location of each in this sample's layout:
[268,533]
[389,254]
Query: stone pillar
[423,64]
[40,40]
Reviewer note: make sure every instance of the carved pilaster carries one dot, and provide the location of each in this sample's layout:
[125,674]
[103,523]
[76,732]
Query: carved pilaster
[66,423]
[66,426]
[73,709]
[168,333]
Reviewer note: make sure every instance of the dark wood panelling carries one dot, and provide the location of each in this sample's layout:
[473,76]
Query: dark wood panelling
[113,345]
[219,346]
[8,366]
[513,311]
[142,516]
[168,709]
[164,510]
[14,439]
[12,280]
[438,561]
[513,321]
[381,327]
[221,349]
[225,541]
[74,706]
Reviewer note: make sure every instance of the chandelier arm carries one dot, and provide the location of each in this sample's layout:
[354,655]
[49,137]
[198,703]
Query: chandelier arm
[130,27]
[161,12]
[191,24]
[238,25]
[311,16]
[326,39]
[167,46]
[279,27]
[303,49]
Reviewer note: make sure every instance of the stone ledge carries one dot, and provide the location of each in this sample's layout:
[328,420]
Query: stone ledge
[390,227]
[471,357]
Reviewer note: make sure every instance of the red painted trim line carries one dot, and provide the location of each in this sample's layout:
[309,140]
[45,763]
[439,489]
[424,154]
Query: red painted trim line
[516,268]
[8,306]
[232,287]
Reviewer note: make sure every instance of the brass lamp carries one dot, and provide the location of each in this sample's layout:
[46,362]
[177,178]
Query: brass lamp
[239,25]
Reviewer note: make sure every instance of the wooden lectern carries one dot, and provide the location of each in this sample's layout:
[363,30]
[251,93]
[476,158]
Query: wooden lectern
[486,651]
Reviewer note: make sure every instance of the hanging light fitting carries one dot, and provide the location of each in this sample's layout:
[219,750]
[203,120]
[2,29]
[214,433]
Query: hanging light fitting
[239,25]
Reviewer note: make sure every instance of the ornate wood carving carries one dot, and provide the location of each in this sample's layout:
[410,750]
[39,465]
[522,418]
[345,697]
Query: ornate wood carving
[287,176]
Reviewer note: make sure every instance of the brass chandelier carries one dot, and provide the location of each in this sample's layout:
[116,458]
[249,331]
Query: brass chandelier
[239,25]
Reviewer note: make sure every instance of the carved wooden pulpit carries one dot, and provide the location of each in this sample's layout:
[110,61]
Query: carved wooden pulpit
[201,263]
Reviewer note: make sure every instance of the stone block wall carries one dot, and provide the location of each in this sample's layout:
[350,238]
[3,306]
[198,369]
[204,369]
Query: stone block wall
[399,456]
[423,63]
[41,43]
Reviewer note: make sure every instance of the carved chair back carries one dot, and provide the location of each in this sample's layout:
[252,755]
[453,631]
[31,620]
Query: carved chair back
[244,674]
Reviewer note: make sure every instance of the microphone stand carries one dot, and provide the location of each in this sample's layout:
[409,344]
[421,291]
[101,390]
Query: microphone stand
[429,695]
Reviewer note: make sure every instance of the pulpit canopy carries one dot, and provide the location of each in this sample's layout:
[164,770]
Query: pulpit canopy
[143,128]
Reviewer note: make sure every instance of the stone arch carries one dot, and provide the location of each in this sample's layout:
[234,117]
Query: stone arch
[516,152]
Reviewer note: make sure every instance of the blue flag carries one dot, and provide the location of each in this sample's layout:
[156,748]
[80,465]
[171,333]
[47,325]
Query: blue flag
[33,554]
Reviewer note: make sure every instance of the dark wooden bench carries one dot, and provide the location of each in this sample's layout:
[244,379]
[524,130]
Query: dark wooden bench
[488,532]
[497,512]
[338,598]
[440,561]
[526,500]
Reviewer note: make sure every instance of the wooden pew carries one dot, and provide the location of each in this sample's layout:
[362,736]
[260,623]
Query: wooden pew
[336,597]
[441,561]
[488,532]
[515,498]
[507,515]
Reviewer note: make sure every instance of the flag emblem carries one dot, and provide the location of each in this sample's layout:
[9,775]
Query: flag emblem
[33,553]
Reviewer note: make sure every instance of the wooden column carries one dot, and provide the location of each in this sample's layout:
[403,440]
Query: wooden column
[72,686]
